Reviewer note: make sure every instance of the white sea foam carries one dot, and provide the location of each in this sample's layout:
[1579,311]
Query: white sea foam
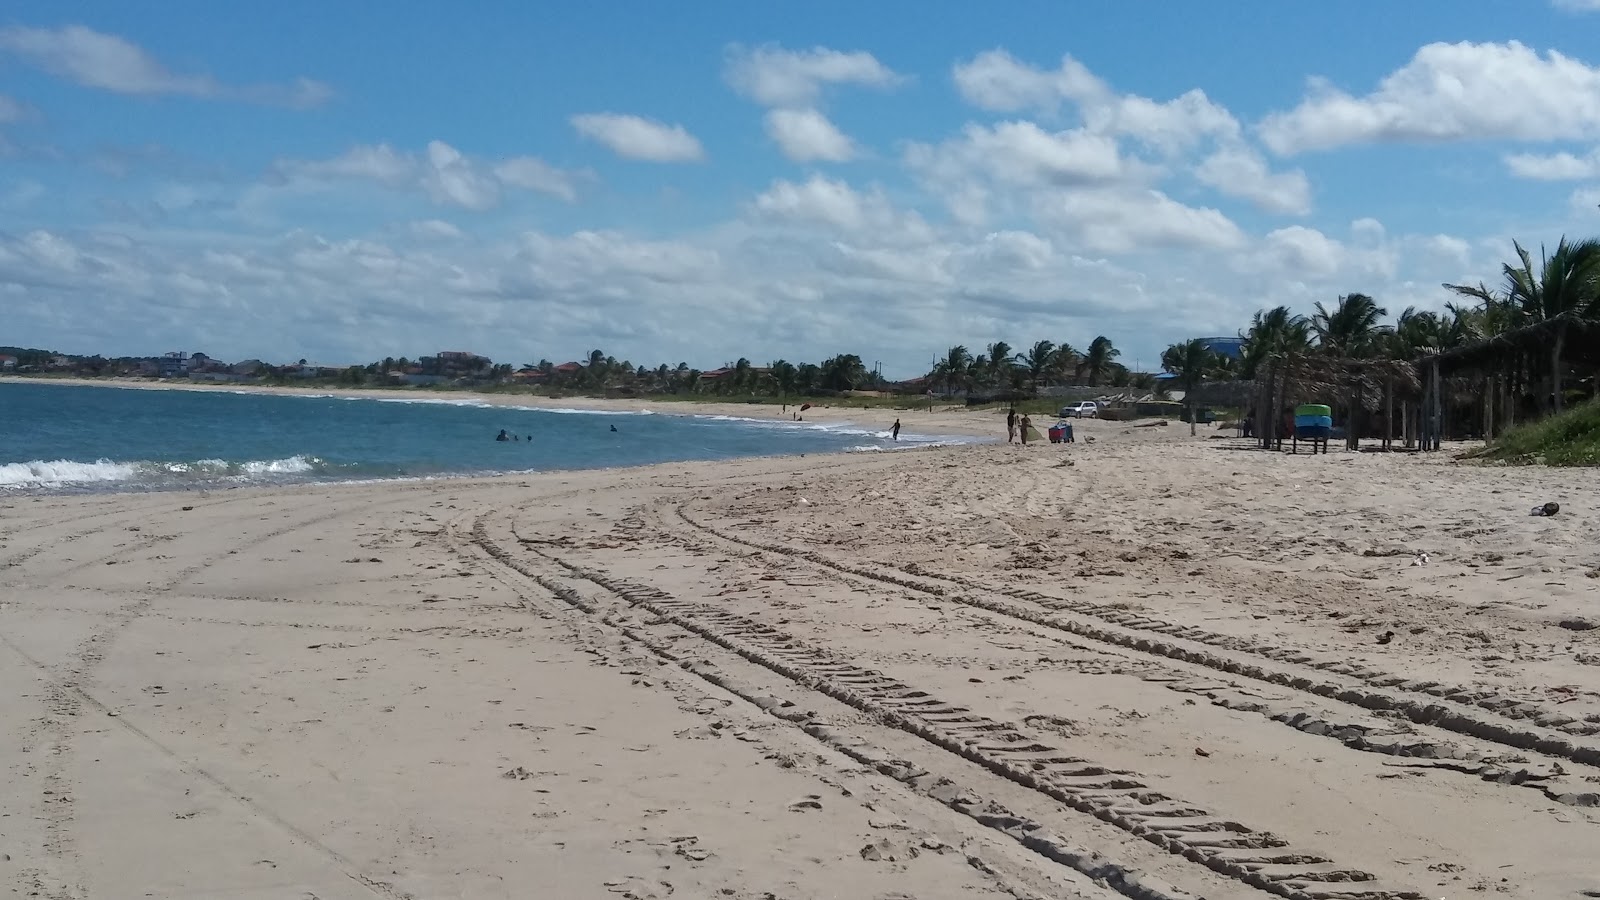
[45,473]
[65,473]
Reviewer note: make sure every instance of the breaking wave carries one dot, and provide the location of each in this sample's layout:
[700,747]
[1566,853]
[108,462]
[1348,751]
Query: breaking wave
[60,473]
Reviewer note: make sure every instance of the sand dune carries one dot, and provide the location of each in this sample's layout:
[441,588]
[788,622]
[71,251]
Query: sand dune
[1149,666]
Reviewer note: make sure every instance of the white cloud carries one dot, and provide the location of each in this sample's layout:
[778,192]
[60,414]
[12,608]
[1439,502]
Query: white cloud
[837,206]
[773,76]
[1555,167]
[1120,220]
[1451,92]
[435,230]
[113,63]
[805,135]
[1023,154]
[1240,172]
[634,137]
[997,81]
[534,174]
[447,176]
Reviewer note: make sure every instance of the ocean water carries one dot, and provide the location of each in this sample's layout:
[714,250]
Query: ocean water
[57,438]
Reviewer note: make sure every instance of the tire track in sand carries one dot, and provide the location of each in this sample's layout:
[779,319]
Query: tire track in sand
[1260,860]
[1462,710]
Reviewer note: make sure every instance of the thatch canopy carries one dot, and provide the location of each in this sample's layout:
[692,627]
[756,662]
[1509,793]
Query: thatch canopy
[1582,347]
[1317,378]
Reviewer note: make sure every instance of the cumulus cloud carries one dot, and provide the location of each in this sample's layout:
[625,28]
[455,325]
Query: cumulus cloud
[774,76]
[112,63]
[1555,167]
[447,176]
[635,137]
[999,82]
[1109,220]
[435,230]
[1023,154]
[1237,171]
[1450,92]
[833,206]
[806,135]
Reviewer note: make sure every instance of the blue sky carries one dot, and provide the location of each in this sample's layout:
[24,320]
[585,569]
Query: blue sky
[699,181]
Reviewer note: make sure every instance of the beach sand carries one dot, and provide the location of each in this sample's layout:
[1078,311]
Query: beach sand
[1145,666]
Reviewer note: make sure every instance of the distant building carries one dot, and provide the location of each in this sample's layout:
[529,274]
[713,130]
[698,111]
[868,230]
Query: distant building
[1231,347]
[8,363]
[172,365]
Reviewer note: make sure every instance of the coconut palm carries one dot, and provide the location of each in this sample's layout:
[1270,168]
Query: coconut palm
[1192,362]
[1040,361]
[1273,331]
[1351,328]
[783,377]
[1065,363]
[1097,362]
[1566,286]
[998,363]
[952,370]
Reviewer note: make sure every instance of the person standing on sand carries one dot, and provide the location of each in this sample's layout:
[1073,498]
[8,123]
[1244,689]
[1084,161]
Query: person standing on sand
[894,430]
[1025,425]
[1011,425]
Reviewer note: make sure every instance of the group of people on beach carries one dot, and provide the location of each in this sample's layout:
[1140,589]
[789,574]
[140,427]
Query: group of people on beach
[1017,425]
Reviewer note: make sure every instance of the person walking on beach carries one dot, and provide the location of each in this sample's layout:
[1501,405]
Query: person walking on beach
[894,430]
[1011,425]
[1025,425]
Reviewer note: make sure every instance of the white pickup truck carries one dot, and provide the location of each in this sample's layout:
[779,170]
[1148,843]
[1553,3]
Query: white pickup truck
[1087,409]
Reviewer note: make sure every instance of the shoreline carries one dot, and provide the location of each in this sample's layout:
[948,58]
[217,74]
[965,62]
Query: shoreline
[955,422]
[110,474]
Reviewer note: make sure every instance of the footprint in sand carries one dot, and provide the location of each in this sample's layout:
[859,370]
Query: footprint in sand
[809,801]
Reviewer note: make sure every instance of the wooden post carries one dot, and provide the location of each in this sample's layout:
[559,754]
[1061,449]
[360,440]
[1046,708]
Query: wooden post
[1439,409]
[1388,413]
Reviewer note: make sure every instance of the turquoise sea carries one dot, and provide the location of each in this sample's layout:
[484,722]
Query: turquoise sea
[56,438]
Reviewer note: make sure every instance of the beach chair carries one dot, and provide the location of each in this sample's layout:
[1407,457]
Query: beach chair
[1313,423]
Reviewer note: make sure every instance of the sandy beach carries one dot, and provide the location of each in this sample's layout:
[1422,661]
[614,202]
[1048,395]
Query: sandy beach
[1146,666]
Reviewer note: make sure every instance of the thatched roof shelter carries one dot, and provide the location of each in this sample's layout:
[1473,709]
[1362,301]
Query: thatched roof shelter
[1581,347]
[1313,377]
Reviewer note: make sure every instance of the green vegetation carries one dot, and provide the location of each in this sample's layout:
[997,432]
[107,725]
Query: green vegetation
[1571,438]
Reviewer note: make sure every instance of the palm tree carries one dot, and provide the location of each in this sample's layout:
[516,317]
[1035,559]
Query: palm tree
[1275,335]
[1565,287]
[1039,361]
[999,361]
[783,376]
[741,376]
[595,372]
[1274,331]
[843,372]
[1351,328]
[1065,363]
[1097,362]
[954,367]
[1192,362]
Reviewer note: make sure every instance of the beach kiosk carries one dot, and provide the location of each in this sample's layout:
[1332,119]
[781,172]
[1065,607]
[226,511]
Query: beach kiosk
[1313,422]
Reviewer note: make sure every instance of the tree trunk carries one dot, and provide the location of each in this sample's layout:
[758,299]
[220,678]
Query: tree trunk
[1555,367]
